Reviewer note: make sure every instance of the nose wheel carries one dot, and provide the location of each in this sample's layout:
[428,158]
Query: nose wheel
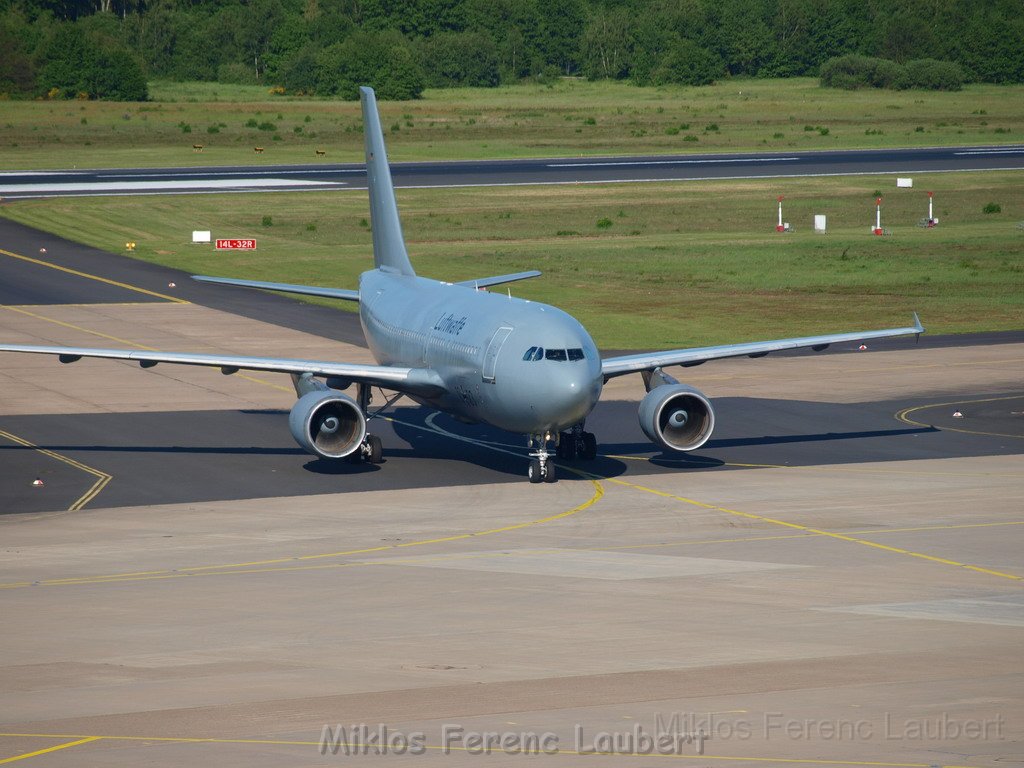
[542,469]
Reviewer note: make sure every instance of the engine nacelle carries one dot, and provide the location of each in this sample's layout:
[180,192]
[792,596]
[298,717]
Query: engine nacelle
[327,424]
[677,416]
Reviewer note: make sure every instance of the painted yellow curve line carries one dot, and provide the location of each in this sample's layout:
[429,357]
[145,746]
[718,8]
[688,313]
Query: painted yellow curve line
[435,747]
[278,564]
[102,478]
[748,515]
[97,278]
[818,531]
[27,755]
[904,416]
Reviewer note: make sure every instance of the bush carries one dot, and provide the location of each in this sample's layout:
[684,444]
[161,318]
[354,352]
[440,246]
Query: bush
[992,208]
[934,75]
[855,71]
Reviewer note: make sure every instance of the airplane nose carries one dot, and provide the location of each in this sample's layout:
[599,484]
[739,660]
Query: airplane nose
[572,394]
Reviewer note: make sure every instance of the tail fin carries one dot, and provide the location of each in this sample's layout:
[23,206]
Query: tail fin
[388,243]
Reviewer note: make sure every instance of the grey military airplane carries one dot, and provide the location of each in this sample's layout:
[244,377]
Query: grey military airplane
[518,365]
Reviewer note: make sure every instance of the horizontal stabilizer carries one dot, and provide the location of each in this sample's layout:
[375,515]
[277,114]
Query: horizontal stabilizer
[486,282]
[308,290]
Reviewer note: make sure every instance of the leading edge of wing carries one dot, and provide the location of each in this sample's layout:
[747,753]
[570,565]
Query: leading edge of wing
[618,366]
[308,290]
[413,380]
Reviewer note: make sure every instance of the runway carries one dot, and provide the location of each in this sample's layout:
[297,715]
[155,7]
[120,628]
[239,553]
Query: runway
[591,170]
[833,580]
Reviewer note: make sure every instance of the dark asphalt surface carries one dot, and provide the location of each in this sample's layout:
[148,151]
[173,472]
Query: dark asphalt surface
[505,172]
[172,457]
[175,457]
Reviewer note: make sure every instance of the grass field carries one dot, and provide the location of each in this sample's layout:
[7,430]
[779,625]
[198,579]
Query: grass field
[567,118]
[641,265]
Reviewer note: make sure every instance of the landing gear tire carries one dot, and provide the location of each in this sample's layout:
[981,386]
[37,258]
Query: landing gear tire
[589,450]
[375,452]
[549,473]
[535,473]
[371,451]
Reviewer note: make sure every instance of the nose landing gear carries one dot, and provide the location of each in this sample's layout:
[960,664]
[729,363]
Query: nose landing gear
[541,467]
[574,444]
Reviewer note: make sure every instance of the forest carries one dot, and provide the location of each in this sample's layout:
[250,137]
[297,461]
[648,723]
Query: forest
[109,49]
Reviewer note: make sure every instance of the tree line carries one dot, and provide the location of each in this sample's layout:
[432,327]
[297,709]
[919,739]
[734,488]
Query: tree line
[109,48]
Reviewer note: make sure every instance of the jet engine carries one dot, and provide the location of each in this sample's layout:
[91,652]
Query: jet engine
[327,424]
[676,416]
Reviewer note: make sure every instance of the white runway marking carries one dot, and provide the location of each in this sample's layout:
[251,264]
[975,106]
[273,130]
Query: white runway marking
[111,187]
[222,173]
[673,162]
[39,173]
[1009,151]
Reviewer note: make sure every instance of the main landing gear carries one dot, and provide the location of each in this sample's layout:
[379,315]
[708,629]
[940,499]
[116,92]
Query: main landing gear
[577,444]
[371,450]
[574,444]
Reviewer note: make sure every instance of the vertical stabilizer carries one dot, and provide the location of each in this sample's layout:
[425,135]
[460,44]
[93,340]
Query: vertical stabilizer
[388,243]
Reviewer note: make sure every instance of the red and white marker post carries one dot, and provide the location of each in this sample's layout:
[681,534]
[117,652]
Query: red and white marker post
[932,221]
[878,217]
[780,227]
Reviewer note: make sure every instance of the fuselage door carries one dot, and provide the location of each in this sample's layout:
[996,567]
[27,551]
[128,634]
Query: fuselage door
[491,355]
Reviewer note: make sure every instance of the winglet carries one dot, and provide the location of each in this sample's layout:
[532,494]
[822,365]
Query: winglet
[919,328]
[388,243]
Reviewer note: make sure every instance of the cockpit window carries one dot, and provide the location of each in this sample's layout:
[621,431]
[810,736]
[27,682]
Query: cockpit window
[575,354]
[533,354]
[556,354]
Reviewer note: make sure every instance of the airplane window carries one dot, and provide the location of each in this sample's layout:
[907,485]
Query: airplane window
[575,354]
[556,354]
[533,354]
[529,353]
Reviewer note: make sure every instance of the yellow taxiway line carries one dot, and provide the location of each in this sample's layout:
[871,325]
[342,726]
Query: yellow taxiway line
[27,755]
[265,566]
[97,278]
[904,416]
[102,478]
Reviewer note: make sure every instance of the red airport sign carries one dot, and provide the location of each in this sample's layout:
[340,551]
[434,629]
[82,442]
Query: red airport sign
[235,244]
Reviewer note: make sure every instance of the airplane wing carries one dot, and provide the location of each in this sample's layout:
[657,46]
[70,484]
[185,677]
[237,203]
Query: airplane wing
[619,366]
[418,381]
[309,290]
[486,282]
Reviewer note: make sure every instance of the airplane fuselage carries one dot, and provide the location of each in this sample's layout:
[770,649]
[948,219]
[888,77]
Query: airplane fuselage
[519,365]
